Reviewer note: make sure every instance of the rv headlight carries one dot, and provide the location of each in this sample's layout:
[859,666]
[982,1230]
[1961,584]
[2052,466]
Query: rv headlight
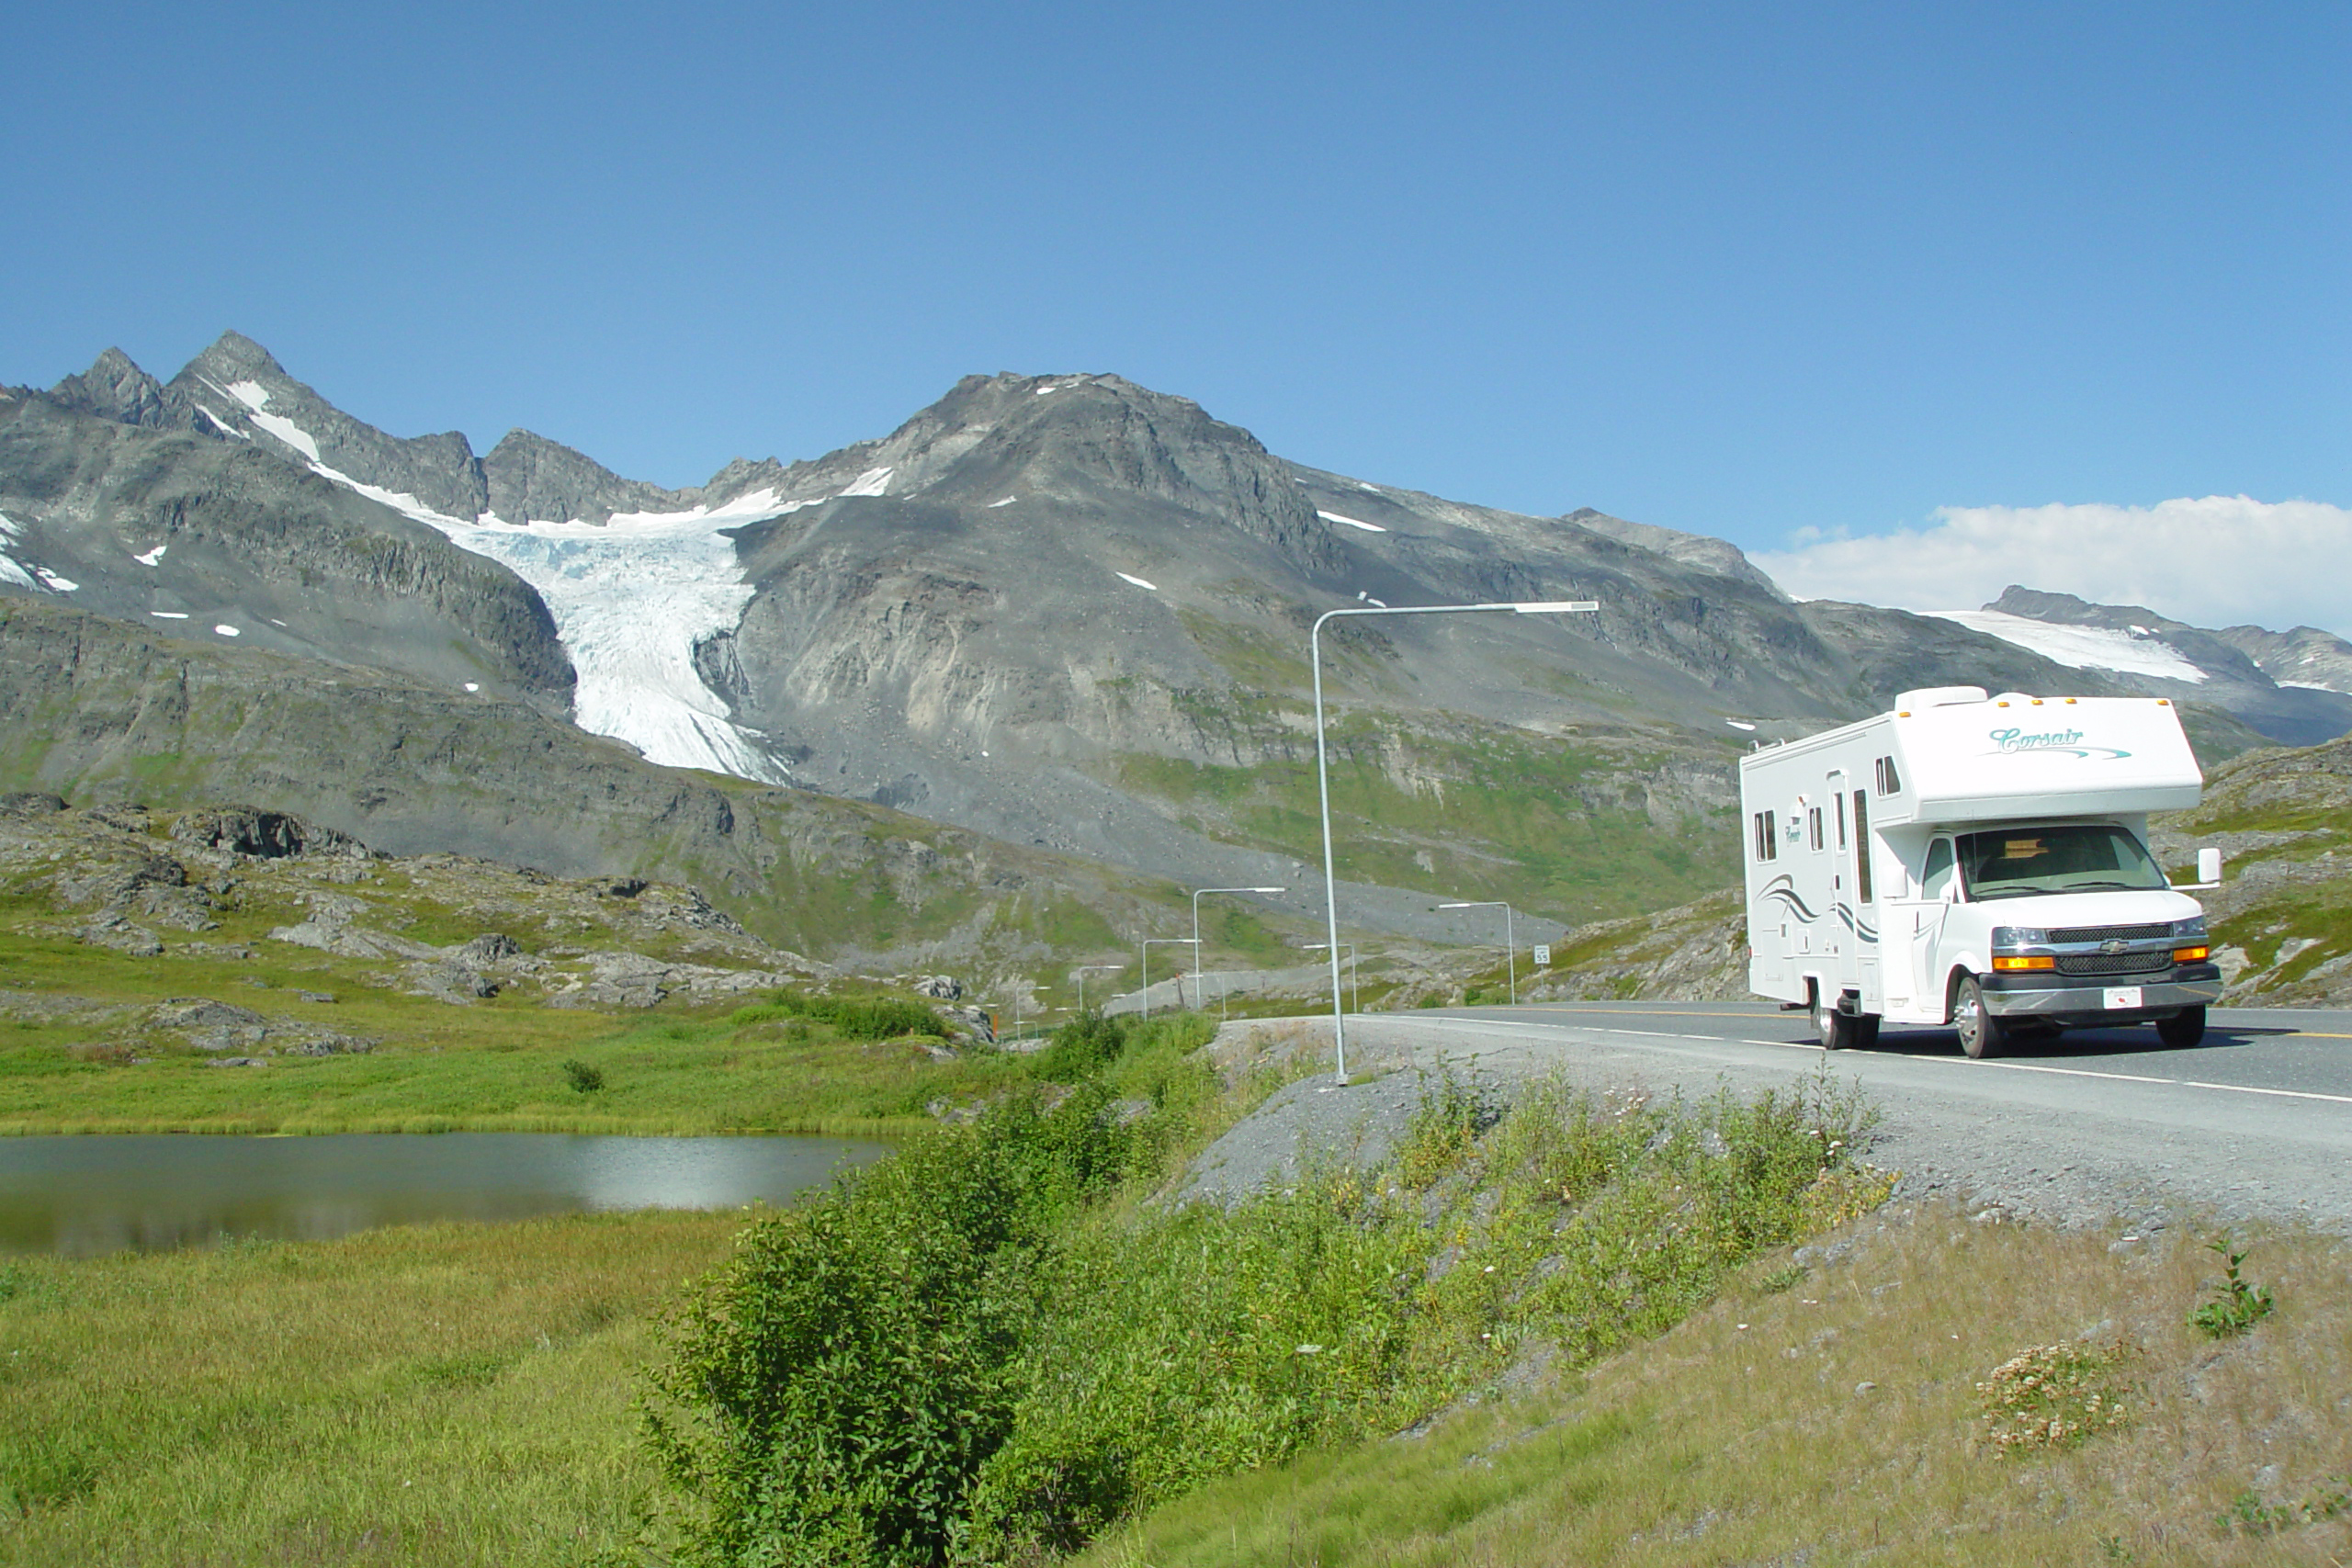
[2020,936]
[2193,926]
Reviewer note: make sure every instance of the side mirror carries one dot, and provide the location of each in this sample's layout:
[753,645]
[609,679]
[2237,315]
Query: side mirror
[2209,871]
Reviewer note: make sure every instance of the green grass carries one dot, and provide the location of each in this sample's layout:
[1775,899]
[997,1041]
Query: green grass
[448,1394]
[747,1071]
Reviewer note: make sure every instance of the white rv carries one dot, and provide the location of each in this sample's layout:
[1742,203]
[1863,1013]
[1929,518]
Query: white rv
[1981,861]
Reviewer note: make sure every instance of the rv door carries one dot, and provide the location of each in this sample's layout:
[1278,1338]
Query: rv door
[1938,885]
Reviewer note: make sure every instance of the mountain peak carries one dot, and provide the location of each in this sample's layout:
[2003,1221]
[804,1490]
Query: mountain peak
[235,357]
[114,387]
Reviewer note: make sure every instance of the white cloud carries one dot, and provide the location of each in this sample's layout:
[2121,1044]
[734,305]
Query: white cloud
[2223,561]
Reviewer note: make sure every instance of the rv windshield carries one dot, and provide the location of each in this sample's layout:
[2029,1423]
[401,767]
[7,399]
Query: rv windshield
[2013,863]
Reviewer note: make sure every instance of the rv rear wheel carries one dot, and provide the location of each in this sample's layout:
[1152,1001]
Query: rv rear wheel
[1981,1033]
[2186,1027]
[1837,1031]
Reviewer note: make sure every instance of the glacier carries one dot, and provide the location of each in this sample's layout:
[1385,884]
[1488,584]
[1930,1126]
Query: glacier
[2080,648]
[631,598]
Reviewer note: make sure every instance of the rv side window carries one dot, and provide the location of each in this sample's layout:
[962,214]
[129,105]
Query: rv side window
[1841,819]
[1936,881]
[1862,845]
[1813,818]
[1766,845]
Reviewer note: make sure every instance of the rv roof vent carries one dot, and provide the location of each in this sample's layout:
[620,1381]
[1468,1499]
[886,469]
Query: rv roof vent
[1939,698]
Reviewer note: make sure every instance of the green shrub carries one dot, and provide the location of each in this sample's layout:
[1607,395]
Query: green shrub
[584,1078]
[1082,1047]
[2240,1303]
[833,1388]
[864,1018]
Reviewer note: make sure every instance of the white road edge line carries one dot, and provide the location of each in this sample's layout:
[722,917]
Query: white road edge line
[1912,1056]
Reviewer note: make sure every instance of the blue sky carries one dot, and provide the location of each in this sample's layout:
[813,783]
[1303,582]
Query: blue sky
[1742,270]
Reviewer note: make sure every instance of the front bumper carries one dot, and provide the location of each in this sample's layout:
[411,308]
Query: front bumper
[2031,994]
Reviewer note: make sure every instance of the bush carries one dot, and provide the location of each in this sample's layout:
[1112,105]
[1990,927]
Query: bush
[832,1390]
[866,1018]
[584,1078]
[1082,1047]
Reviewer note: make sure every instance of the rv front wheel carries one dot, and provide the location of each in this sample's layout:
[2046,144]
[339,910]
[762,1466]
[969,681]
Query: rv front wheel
[1836,1029]
[2186,1027]
[1981,1033]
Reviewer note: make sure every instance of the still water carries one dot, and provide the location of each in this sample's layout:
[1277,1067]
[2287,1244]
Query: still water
[80,1196]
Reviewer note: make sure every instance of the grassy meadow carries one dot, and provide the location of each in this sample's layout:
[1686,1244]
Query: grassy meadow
[455,1393]
[75,1058]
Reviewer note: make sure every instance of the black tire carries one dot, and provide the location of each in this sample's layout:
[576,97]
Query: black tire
[1866,1034]
[1836,1029]
[2186,1027]
[1981,1033]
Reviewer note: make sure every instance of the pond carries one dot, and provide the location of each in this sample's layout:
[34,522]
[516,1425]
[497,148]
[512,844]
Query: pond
[80,1196]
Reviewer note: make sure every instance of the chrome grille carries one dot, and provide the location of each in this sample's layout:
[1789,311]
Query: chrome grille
[2111,933]
[2114,963]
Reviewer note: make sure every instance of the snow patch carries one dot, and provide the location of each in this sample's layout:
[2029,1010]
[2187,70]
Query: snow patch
[223,425]
[874,482]
[152,557]
[286,429]
[1138,581]
[1739,724]
[1350,522]
[1008,500]
[2080,648]
[1042,391]
[11,572]
[474,685]
[253,394]
[11,530]
[630,598]
[227,631]
[169,615]
[2308,685]
[50,579]
[1374,489]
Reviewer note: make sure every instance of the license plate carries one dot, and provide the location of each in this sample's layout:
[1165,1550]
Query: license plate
[2123,996]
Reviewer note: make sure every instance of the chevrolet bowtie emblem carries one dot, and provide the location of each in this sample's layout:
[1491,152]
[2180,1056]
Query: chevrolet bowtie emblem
[2113,944]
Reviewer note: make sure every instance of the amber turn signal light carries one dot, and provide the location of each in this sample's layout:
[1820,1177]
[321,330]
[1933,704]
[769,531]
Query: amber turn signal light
[2188,955]
[2031,961]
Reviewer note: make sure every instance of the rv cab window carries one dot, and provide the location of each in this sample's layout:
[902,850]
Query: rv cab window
[1936,881]
[2015,862]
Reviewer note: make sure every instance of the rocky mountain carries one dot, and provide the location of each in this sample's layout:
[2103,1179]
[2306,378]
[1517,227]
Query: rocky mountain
[1065,611]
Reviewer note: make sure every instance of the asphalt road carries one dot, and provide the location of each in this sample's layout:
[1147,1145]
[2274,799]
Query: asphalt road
[2099,1125]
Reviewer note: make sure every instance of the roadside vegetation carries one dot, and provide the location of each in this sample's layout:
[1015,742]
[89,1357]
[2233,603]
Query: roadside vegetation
[1850,1405]
[1003,1342]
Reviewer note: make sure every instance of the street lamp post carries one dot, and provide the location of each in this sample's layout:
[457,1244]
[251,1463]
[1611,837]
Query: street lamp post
[1323,765]
[1511,940]
[1165,941]
[1199,1000]
[1355,976]
[1081,972]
